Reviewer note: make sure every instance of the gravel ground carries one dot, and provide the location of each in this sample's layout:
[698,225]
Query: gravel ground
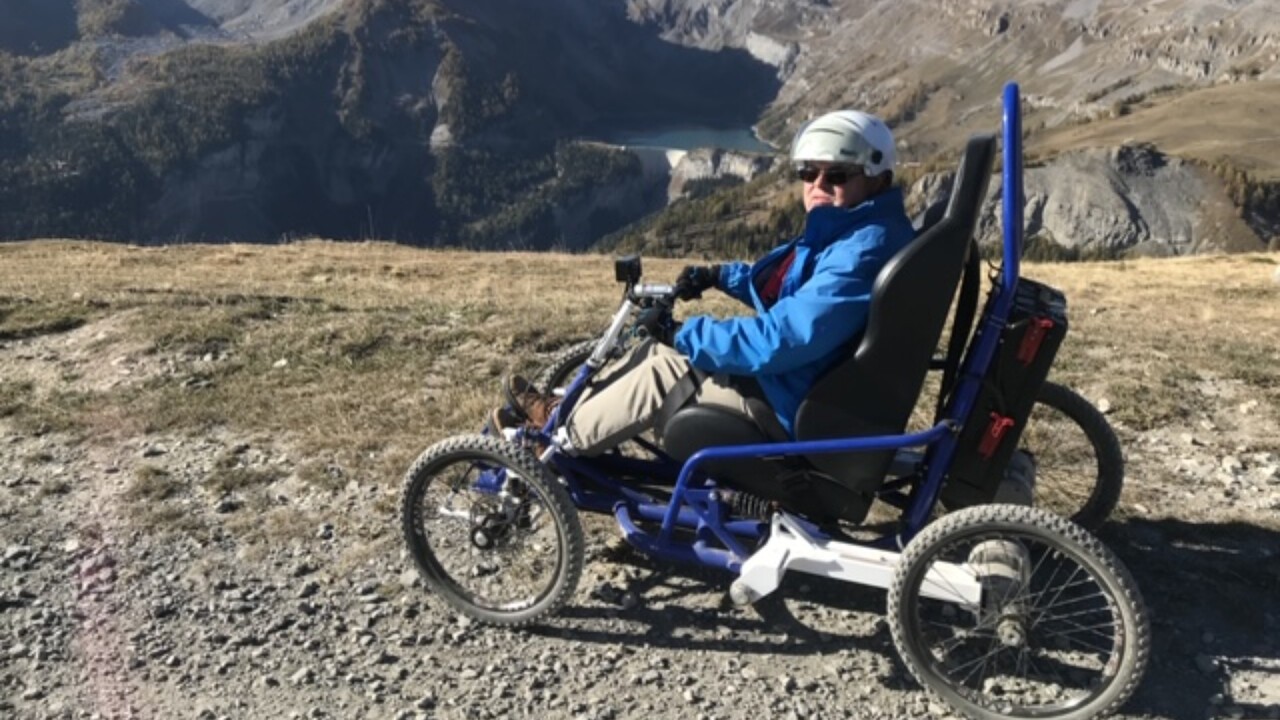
[279,600]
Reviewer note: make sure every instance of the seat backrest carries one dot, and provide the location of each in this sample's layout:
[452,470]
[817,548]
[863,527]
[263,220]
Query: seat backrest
[931,215]
[874,390]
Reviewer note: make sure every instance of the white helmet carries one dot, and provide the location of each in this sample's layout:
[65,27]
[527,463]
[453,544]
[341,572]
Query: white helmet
[846,136]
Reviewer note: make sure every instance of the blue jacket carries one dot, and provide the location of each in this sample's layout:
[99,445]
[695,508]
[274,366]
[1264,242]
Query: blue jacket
[821,306]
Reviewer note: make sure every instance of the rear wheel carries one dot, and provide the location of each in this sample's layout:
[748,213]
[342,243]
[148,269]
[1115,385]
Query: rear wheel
[1079,465]
[1051,625]
[491,530]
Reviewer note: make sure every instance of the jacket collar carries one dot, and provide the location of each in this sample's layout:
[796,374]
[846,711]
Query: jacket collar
[826,223]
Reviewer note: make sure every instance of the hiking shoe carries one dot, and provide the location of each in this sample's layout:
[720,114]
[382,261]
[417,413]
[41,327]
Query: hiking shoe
[503,422]
[527,402]
[501,418]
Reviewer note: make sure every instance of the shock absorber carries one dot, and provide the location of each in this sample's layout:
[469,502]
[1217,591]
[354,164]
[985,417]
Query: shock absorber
[744,504]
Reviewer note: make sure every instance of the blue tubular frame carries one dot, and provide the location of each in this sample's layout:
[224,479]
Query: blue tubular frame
[699,507]
[979,356]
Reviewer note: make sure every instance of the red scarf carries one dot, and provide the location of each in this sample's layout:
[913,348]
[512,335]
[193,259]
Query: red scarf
[773,286]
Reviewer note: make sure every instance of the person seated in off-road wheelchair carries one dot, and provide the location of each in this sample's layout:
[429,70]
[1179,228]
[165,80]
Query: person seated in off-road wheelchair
[777,432]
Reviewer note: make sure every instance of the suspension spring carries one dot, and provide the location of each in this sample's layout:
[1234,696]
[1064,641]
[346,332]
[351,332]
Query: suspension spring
[744,504]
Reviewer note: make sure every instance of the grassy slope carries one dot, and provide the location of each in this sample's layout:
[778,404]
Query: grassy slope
[389,348]
[1226,121]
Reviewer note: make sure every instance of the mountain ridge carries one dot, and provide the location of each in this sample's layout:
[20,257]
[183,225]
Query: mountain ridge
[160,120]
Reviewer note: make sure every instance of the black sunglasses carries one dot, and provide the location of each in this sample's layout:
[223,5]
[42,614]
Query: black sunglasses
[835,175]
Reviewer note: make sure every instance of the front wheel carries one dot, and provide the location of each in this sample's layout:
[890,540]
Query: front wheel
[491,530]
[1007,611]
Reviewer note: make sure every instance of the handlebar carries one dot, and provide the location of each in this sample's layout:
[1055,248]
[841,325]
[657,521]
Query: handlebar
[654,291]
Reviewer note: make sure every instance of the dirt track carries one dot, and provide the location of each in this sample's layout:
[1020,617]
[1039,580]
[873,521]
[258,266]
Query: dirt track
[319,614]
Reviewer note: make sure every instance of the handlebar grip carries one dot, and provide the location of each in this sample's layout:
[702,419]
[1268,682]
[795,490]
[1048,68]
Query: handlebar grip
[655,291]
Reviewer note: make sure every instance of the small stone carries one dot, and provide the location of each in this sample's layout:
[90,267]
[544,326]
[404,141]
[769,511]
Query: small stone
[282,362]
[1104,405]
[32,694]
[303,675]
[1140,509]
[17,553]
[689,696]
[153,451]
[308,589]
[325,531]
[787,683]
[98,562]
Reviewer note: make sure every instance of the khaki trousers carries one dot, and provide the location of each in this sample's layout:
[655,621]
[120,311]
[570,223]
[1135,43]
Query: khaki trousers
[640,391]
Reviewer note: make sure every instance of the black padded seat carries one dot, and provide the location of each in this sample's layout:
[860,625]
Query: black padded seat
[874,390]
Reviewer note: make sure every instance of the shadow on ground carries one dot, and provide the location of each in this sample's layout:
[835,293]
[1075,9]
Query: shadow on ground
[687,608]
[1213,591]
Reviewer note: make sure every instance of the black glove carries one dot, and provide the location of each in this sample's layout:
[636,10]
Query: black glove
[696,278]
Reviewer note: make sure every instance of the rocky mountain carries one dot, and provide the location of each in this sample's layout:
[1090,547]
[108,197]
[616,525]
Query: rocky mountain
[160,120]
[424,121]
[1192,82]
[1106,202]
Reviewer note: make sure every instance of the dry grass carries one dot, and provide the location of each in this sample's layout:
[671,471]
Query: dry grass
[152,483]
[1144,333]
[363,354]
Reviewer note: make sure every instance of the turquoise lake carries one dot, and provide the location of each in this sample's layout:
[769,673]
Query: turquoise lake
[688,138]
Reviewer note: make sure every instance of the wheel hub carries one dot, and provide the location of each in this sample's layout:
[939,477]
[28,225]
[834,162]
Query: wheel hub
[1012,631]
[490,529]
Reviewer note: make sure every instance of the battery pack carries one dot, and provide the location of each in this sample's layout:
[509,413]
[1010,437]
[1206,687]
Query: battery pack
[1028,344]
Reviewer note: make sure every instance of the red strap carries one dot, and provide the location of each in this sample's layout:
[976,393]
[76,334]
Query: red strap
[996,429]
[769,294]
[1031,341]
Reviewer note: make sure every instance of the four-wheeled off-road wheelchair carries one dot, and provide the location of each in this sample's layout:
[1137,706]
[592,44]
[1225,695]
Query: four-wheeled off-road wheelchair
[1002,610]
